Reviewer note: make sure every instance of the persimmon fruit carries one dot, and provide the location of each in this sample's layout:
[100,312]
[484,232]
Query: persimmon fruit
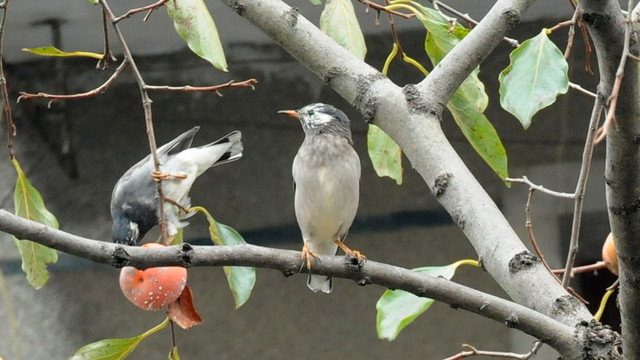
[610,255]
[152,288]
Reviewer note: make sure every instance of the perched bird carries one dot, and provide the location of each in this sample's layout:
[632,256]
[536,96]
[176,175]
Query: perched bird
[134,202]
[326,174]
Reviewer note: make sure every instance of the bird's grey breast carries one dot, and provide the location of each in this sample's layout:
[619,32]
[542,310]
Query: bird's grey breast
[326,171]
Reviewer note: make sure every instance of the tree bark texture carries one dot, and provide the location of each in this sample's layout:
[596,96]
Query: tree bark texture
[606,26]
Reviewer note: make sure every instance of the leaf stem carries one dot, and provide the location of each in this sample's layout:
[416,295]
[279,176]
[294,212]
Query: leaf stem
[156,328]
[392,54]
[603,302]
[470,262]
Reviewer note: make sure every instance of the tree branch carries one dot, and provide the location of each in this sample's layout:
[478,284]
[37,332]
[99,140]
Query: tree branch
[411,116]
[606,26]
[456,66]
[552,332]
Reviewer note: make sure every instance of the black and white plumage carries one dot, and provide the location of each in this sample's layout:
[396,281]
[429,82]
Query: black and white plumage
[326,172]
[134,201]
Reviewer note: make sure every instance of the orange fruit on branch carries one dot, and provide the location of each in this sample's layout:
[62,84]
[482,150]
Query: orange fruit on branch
[153,288]
[610,255]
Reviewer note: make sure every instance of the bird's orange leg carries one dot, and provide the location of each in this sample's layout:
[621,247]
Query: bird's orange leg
[345,248]
[307,254]
[159,176]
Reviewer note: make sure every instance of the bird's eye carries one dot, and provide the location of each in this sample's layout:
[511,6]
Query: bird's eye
[312,112]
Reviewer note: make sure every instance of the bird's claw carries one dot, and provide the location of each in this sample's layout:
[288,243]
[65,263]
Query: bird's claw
[159,176]
[307,254]
[352,253]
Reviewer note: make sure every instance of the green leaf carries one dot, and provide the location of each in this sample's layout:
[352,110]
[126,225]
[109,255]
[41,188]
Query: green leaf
[468,103]
[533,80]
[52,51]
[398,308]
[480,133]
[444,36]
[339,21]
[241,279]
[316,2]
[385,154]
[114,349]
[29,204]
[195,25]
[93,1]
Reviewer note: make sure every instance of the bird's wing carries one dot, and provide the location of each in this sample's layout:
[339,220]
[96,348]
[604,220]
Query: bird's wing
[195,161]
[136,183]
[180,143]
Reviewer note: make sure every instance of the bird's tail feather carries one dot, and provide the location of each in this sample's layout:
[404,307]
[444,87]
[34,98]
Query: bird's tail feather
[234,152]
[320,283]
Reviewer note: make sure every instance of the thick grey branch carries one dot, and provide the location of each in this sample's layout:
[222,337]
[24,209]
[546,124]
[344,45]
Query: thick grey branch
[456,66]
[606,26]
[550,331]
[411,116]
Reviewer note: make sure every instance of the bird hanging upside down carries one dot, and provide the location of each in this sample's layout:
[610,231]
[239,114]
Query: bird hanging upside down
[134,202]
[326,174]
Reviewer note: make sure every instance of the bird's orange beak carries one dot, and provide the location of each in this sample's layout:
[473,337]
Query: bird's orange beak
[292,113]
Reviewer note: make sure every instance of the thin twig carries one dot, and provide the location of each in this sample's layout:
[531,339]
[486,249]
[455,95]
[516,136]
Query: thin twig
[56,97]
[149,8]
[107,56]
[525,180]
[6,106]
[394,34]
[581,185]
[587,47]
[452,21]
[146,104]
[529,227]
[188,88]
[472,351]
[578,195]
[585,37]
[582,269]
[562,25]
[379,8]
[469,19]
[536,249]
[582,90]
[571,35]
[613,98]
